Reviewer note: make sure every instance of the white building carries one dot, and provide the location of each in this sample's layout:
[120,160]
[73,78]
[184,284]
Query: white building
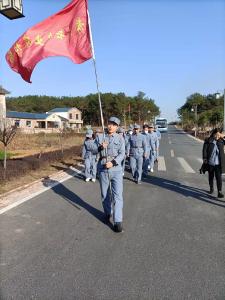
[72,114]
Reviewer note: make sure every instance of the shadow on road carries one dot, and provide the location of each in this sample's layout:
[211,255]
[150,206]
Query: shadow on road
[67,169]
[74,199]
[184,190]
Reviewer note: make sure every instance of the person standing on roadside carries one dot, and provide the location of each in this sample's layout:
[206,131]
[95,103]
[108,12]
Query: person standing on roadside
[213,155]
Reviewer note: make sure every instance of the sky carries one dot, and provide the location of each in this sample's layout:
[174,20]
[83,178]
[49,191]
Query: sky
[169,49]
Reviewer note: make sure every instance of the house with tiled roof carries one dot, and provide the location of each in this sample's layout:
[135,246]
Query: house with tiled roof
[34,123]
[72,114]
[54,120]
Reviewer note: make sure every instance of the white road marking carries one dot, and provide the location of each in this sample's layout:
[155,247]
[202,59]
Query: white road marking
[81,165]
[187,168]
[161,164]
[15,204]
[172,153]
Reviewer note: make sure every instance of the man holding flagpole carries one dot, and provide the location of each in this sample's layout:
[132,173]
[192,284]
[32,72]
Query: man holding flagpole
[112,152]
[68,33]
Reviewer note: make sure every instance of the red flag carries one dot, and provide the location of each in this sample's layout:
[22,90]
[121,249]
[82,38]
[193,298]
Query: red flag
[64,34]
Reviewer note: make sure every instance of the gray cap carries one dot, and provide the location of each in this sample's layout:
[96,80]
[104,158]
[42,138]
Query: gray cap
[151,126]
[120,130]
[136,126]
[131,127]
[89,133]
[114,120]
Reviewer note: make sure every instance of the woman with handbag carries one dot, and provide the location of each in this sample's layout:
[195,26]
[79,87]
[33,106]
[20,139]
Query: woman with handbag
[213,155]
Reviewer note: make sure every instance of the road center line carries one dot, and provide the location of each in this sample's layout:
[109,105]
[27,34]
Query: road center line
[187,168]
[172,153]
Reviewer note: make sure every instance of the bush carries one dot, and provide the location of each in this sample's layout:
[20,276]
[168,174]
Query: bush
[2,155]
[22,166]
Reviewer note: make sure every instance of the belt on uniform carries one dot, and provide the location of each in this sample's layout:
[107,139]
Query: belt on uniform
[137,147]
[108,158]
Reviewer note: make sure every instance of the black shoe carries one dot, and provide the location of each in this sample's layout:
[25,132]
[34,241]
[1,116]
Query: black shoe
[220,195]
[211,191]
[118,227]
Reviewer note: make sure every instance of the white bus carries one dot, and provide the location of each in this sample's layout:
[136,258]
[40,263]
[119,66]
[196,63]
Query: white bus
[161,123]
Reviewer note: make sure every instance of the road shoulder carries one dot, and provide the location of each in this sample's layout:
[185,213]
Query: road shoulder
[191,136]
[24,193]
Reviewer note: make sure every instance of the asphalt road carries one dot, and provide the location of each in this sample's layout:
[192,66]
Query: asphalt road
[56,245]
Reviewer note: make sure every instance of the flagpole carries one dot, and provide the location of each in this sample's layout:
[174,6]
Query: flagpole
[101,112]
[96,74]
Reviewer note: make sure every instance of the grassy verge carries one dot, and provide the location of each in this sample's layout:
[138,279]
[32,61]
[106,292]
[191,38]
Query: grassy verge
[9,155]
[25,146]
[47,170]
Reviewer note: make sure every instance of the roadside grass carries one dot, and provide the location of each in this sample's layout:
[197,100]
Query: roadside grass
[36,144]
[29,144]
[9,155]
[32,176]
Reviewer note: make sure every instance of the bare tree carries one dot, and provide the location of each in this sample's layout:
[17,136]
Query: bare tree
[7,133]
[61,140]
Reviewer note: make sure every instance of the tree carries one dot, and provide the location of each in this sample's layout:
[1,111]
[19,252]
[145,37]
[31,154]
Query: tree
[209,111]
[7,133]
[131,109]
[217,118]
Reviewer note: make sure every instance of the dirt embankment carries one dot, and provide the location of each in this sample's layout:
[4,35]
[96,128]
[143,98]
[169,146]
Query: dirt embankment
[38,156]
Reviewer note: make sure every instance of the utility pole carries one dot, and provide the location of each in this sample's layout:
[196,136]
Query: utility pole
[196,119]
[224,110]
[218,95]
[129,112]
[195,110]
[124,118]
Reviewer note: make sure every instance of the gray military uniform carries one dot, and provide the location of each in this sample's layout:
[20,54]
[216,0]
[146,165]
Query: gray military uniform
[114,152]
[137,148]
[154,143]
[149,148]
[89,155]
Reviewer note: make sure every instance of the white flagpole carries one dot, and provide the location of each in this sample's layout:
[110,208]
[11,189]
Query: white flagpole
[101,113]
[96,74]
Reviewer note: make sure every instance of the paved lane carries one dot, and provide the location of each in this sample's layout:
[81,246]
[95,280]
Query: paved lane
[56,246]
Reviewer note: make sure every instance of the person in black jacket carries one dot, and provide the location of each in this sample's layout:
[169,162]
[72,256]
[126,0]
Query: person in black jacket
[213,155]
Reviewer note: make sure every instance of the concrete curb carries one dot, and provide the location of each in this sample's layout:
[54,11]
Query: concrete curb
[22,194]
[191,136]
[22,187]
